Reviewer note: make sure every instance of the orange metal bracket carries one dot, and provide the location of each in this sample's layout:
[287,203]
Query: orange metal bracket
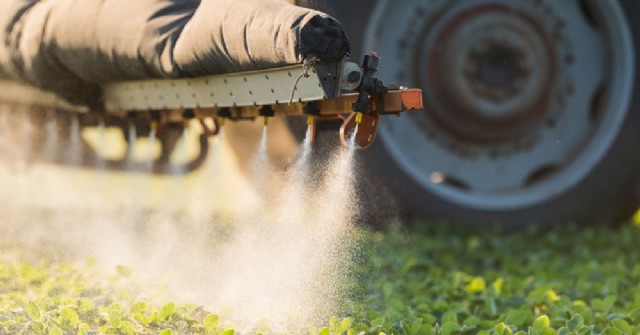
[393,102]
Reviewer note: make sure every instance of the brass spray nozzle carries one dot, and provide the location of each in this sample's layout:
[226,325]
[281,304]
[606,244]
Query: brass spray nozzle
[359,117]
[310,120]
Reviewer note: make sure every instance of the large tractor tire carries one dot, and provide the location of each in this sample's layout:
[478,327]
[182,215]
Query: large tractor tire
[531,107]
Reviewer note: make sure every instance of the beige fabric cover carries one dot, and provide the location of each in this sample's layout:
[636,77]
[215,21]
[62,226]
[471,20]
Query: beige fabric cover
[73,46]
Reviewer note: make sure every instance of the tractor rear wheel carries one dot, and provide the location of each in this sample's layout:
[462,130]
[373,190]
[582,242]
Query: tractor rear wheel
[531,107]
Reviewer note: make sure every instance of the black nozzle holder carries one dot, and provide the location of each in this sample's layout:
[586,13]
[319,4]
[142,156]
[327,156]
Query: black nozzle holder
[224,112]
[312,108]
[188,114]
[267,111]
[155,115]
[370,63]
[369,85]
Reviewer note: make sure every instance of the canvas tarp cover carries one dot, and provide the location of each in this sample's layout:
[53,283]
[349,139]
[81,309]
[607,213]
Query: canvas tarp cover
[71,47]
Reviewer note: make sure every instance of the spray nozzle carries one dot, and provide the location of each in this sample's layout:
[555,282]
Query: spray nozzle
[155,119]
[359,117]
[266,112]
[359,130]
[224,114]
[312,108]
[188,115]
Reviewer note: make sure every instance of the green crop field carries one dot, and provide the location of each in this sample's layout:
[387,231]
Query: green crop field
[408,281]
[566,281]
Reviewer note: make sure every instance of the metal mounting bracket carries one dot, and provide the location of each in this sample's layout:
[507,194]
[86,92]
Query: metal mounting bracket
[255,88]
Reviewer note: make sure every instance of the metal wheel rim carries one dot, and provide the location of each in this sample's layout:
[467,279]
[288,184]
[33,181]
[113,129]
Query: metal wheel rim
[430,165]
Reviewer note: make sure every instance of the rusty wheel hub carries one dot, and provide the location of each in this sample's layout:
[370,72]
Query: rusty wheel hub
[488,67]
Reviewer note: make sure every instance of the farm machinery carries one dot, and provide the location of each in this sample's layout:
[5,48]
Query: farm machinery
[530,109]
[161,109]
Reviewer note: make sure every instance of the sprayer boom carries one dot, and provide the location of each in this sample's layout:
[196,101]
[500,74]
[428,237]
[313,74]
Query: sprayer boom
[322,90]
[338,90]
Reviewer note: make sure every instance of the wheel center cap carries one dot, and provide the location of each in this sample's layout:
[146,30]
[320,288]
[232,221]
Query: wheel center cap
[488,70]
[496,68]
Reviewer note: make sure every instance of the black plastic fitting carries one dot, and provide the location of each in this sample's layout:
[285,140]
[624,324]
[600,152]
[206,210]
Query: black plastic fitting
[370,85]
[267,111]
[224,112]
[188,114]
[312,108]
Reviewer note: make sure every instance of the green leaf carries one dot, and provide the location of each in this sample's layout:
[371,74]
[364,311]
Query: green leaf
[575,323]
[115,318]
[68,319]
[211,322]
[154,318]
[167,311]
[449,327]
[33,311]
[379,322]
[228,332]
[83,329]
[603,305]
[36,327]
[472,321]
[540,325]
[635,315]
[107,330]
[503,329]
[497,285]
[85,305]
[166,332]
[333,323]
[324,331]
[406,329]
[345,325]
[415,326]
[622,326]
[517,317]
[141,318]
[490,306]
[55,331]
[477,284]
[552,295]
[127,328]
[450,317]
[611,331]
[138,307]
